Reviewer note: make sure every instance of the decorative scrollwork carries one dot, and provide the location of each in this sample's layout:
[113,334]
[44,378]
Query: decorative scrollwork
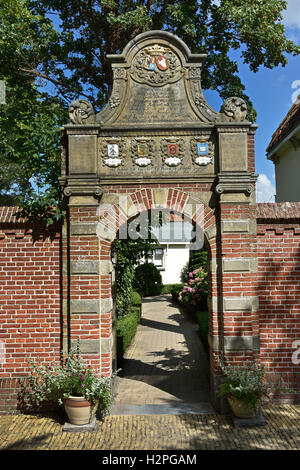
[114,101]
[67,191]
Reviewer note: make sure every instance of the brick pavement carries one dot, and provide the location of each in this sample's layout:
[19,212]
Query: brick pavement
[166,362]
[152,432]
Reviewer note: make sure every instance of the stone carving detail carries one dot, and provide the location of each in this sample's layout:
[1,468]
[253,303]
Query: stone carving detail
[120,73]
[195,72]
[233,109]
[172,149]
[80,111]
[200,101]
[202,151]
[114,101]
[142,150]
[239,187]
[156,65]
[112,150]
[204,109]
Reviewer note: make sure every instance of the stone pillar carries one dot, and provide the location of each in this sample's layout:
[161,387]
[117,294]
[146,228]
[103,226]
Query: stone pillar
[86,308]
[234,302]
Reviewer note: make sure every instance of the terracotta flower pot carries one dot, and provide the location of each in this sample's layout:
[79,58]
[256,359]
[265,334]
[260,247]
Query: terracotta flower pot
[79,410]
[240,409]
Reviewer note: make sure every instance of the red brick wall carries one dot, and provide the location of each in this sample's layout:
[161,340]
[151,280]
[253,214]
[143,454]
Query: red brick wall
[31,290]
[30,301]
[278,286]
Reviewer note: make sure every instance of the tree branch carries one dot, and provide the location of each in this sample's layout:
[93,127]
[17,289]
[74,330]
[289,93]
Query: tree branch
[57,83]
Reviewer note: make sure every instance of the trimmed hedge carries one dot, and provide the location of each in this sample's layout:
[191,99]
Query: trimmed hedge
[168,288]
[175,291]
[136,299]
[126,328]
[202,320]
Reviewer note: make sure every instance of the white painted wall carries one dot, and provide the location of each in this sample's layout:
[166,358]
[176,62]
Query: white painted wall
[176,256]
[287,172]
[287,168]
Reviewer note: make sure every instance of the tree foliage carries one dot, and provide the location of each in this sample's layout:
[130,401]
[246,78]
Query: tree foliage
[30,119]
[89,30]
[53,51]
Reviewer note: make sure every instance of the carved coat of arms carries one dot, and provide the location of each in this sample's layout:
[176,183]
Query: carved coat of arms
[172,149]
[112,151]
[156,65]
[202,151]
[142,149]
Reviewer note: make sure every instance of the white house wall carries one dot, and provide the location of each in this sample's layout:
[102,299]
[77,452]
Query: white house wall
[176,256]
[287,172]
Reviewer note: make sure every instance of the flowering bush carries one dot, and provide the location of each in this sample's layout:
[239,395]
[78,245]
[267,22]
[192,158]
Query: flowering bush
[195,289]
[54,382]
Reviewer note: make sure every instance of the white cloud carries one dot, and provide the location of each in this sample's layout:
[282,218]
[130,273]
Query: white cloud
[265,189]
[291,16]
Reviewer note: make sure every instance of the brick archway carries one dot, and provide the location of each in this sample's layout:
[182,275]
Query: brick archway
[232,305]
[158,143]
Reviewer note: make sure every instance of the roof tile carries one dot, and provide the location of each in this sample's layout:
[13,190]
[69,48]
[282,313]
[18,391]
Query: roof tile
[290,122]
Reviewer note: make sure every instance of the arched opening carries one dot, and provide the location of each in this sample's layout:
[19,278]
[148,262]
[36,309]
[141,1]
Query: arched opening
[167,364]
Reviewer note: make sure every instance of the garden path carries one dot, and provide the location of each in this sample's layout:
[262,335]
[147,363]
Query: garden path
[165,369]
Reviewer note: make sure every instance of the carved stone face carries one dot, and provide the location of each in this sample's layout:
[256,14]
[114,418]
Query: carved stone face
[235,109]
[79,111]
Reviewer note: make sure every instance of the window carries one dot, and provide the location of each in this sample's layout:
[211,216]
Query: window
[158,257]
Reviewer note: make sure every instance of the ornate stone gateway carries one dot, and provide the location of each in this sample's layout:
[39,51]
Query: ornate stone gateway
[158,144]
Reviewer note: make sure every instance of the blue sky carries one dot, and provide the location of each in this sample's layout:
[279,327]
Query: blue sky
[272,93]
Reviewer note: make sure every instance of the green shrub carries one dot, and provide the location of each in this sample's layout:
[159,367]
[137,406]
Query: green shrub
[175,291]
[147,280]
[167,288]
[198,259]
[126,327]
[184,274]
[202,320]
[123,289]
[136,298]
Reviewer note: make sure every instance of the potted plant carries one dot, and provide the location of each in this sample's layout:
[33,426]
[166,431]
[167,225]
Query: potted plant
[73,384]
[244,388]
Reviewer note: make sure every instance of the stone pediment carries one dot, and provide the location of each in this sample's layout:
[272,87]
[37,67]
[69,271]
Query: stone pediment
[157,82]
[157,125]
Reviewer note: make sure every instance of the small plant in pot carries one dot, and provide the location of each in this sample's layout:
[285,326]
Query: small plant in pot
[246,387]
[72,384]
